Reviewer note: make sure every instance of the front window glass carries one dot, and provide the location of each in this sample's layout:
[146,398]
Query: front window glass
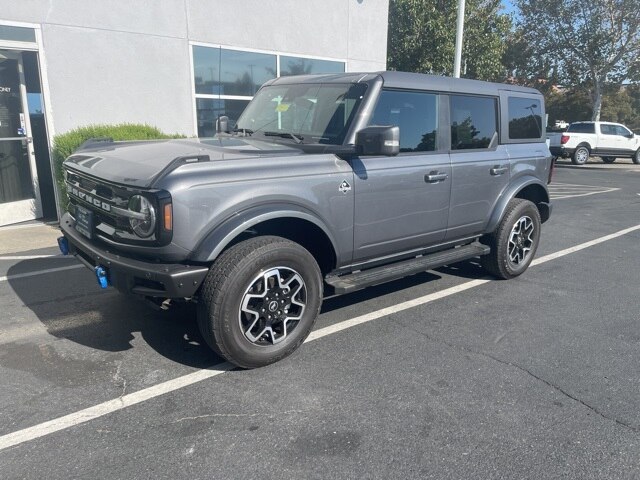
[620,130]
[416,113]
[314,113]
[473,122]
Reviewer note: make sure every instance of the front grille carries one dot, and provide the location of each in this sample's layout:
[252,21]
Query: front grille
[101,197]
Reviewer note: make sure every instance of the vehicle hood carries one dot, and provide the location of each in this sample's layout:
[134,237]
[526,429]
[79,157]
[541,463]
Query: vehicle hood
[141,163]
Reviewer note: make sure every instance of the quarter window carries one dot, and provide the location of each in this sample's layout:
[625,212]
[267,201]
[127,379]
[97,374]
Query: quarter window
[473,122]
[416,113]
[525,118]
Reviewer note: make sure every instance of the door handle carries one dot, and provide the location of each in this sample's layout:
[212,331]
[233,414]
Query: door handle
[498,170]
[435,177]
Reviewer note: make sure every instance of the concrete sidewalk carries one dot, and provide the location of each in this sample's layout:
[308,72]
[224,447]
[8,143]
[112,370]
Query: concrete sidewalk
[30,236]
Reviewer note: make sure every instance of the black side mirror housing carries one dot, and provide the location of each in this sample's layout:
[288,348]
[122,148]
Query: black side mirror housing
[222,124]
[379,140]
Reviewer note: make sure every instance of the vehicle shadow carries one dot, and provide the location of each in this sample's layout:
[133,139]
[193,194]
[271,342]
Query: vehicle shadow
[70,305]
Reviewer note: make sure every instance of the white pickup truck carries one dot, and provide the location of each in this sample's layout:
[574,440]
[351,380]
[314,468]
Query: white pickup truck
[603,139]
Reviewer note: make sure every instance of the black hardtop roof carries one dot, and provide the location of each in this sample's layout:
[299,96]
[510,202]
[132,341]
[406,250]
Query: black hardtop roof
[412,81]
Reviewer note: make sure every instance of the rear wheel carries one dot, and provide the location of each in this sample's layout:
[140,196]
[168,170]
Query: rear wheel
[515,241]
[259,301]
[608,159]
[580,155]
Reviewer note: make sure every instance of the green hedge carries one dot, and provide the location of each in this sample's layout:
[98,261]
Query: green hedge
[67,143]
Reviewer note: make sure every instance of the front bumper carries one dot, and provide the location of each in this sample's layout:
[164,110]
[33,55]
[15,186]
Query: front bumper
[165,280]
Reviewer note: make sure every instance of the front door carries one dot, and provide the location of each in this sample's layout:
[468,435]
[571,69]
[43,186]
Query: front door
[402,202]
[19,197]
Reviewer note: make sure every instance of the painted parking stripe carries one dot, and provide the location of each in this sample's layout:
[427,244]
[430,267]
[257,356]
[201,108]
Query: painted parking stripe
[558,191]
[39,272]
[30,257]
[105,408]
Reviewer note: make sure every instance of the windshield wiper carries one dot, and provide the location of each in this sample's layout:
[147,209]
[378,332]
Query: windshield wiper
[296,138]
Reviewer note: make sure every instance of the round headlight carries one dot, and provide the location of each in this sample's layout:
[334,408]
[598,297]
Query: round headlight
[145,224]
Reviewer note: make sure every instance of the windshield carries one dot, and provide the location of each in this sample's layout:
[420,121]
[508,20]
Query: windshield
[304,113]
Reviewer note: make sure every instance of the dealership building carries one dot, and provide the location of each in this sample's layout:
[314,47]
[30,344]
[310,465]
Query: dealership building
[174,64]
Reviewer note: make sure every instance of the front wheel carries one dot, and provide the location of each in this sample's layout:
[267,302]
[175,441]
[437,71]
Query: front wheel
[580,155]
[515,241]
[636,157]
[259,301]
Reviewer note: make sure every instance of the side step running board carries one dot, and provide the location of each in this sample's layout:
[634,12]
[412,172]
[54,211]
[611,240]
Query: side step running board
[366,278]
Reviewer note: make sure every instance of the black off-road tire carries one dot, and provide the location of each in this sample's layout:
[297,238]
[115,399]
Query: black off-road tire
[498,262]
[636,157]
[608,159]
[227,283]
[580,155]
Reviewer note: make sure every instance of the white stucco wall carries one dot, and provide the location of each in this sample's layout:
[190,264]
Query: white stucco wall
[110,61]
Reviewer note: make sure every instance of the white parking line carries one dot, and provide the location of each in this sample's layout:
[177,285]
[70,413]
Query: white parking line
[39,272]
[558,191]
[30,257]
[102,409]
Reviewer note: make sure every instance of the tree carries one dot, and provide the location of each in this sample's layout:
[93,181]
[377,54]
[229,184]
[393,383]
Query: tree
[595,42]
[422,37]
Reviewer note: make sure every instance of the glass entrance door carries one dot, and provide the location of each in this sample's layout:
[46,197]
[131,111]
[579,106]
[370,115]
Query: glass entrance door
[19,194]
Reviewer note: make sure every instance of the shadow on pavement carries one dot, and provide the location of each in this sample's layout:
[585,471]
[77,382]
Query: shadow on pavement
[70,305]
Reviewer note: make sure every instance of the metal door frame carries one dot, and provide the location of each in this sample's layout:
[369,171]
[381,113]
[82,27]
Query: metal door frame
[33,205]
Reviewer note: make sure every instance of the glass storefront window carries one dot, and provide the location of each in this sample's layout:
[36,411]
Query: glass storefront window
[305,66]
[206,70]
[225,80]
[243,73]
[17,34]
[208,110]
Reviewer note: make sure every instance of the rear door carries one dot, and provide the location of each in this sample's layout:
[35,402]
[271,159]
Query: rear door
[401,203]
[480,166]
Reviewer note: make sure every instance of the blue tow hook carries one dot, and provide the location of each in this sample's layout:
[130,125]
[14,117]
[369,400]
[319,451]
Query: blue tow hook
[101,275]
[63,243]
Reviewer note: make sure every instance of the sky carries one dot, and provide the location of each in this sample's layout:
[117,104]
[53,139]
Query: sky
[509,7]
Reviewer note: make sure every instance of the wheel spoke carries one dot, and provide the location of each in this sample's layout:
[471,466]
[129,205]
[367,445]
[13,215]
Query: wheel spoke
[272,305]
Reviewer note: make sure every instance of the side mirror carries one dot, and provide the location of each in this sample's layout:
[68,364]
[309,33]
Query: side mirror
[379,140]
[222,124]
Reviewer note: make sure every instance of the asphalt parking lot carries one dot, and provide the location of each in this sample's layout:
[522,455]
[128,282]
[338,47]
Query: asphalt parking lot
[447,374]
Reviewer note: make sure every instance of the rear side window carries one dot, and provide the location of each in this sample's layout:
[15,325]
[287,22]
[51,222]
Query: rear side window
[525,118]
[582,128]
[608,129]
[473,122]
[416,113]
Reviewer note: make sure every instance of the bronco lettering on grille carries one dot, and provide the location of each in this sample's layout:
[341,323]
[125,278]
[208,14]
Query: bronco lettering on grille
[76,192]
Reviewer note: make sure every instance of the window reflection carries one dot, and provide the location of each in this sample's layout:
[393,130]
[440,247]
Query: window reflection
[306,66]
[208,110]
[416,114]
[243,73]
[525,119]
[473,122]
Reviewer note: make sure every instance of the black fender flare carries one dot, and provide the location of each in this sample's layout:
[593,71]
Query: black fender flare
[512,192]
[224,233]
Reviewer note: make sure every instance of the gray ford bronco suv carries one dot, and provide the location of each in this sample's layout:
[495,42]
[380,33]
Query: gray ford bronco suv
[325,185]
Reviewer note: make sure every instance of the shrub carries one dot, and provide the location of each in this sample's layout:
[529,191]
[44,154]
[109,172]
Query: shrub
[67,143]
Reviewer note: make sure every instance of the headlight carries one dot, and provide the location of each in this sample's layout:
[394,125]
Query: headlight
[145,224]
